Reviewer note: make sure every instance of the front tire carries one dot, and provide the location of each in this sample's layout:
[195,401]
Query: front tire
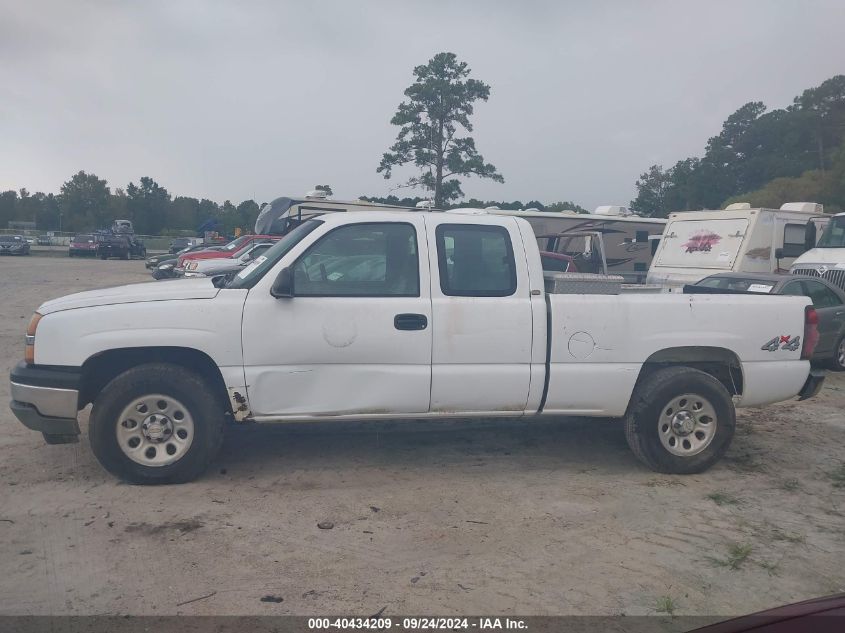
[681,421]
[156,424]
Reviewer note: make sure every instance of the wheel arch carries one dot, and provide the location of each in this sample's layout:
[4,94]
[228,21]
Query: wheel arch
[100,368]
[721,363]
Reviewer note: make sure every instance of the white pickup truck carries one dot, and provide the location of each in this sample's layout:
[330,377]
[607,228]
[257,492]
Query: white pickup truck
[401,315]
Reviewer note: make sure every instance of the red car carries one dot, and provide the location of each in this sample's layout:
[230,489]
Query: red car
[82,245]
[230,250]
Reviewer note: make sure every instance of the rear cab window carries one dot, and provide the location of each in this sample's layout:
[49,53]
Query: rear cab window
[475,260]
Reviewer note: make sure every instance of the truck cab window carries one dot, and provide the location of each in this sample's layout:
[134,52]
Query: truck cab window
[475,260]
[361,260]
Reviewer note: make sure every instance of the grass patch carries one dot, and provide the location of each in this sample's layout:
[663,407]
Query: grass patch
[837,477]
[780,535]
[737,555]
[722,498]
[666,605]
[772,568]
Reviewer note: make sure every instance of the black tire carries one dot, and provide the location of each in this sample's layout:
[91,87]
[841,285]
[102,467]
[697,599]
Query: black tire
[837,363]
[103,257]
[202,404]
[656,391]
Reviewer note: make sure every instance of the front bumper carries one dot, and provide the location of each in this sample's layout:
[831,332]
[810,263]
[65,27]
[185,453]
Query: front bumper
[813,384]
[45,398]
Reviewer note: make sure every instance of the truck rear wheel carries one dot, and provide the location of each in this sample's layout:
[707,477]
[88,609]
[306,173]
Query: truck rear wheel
[681,420]
[156,424]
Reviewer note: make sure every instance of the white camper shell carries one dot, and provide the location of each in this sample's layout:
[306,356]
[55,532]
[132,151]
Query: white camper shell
[629,241]
[827,260]
[697,244]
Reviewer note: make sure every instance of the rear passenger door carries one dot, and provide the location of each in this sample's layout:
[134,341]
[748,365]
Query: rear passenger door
[481,315]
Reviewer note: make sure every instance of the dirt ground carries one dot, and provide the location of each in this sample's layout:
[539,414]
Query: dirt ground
[506,517]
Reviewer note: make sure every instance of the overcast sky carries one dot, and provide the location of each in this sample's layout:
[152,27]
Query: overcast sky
[234,100]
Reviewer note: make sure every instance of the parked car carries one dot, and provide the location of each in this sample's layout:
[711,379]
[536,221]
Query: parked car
[45,240]
[120,246]
[220,266]
[191,262]
[402,315]
[181,243]
[157,260]
[228,250]
[828,300]
[113,246]
[165,270]
[84,244]
[13,245]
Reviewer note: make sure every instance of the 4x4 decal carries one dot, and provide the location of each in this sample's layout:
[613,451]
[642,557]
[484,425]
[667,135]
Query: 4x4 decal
[789,343]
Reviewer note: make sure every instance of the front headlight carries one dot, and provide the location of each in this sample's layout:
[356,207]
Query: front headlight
[29,347]
[166,266]
[191,266]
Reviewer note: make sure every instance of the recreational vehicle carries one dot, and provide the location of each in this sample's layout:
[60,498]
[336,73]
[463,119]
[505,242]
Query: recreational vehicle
[696,244]
[283,214]
[628,240]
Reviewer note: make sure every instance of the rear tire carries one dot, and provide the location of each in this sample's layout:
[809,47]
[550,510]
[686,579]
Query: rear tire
[681,421]
[156,424]
[837,362]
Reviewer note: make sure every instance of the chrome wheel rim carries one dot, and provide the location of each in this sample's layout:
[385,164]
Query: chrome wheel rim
[687,425]
[840,354]
[155,430]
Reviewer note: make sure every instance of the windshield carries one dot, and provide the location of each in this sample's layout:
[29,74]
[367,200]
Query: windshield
[236,243]
[243,251]
[734,283]
[9,238]
[250,275]
[83,238]
[834,234]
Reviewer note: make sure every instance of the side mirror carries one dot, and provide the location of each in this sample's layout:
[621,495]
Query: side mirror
[778,253]
[809,236]
[283,285]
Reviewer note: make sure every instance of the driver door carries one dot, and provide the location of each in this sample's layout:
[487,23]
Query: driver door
[355,339]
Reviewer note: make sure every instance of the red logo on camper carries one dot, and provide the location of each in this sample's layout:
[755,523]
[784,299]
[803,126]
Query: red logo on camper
[702,241]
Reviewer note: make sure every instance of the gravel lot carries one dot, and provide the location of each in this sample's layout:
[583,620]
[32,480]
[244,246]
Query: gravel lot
[512,517]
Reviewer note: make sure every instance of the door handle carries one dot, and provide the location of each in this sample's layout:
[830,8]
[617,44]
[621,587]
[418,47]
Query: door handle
[410,322]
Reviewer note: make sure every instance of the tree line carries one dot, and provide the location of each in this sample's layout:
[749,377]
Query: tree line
[86,202]
[762,157]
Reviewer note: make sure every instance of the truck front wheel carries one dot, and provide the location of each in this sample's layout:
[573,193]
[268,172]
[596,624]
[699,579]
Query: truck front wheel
[156,424]
[681,420]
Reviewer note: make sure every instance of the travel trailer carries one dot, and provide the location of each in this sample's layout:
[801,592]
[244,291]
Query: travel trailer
[696,244]
[827,259]
[629,241]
